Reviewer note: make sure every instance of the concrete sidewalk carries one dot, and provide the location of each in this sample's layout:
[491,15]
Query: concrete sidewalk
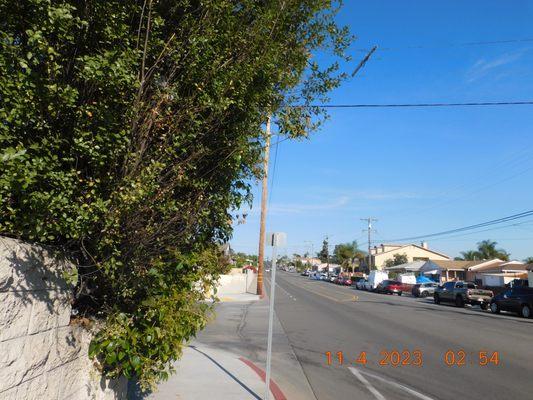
[206,373]
[227,359]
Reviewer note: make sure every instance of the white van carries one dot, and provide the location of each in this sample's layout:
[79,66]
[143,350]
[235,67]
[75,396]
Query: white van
[376,277]
[408,278]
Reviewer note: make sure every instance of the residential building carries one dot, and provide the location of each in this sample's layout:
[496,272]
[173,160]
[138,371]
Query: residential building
[414,252]
[449,270]
[313,262]
[413,266]
[328,267]
[505,271]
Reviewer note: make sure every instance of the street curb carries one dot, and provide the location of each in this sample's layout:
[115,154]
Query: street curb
[291,349]
[274,388]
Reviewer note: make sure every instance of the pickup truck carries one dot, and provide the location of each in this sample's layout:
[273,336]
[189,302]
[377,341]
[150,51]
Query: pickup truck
[462,293]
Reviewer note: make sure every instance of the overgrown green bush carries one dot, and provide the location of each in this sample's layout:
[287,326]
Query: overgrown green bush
[129,133]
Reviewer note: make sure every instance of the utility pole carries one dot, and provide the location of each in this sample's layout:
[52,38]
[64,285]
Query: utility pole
[311,246]
[264,197]
[327,254]
[369,229]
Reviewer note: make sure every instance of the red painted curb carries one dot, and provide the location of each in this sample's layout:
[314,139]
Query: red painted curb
[274,388]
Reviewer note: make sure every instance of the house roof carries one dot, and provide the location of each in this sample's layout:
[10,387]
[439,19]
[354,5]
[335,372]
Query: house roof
[461,265]
[498,265]
[510,266]
[407,245]
[410,266]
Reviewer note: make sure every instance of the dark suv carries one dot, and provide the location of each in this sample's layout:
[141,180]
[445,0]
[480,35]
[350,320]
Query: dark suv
[519,299]
[424,289]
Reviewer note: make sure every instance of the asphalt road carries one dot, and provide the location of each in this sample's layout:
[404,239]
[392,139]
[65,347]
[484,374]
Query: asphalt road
[320,317]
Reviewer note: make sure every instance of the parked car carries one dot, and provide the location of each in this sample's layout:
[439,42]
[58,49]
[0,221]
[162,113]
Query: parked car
[518,299]
[376,277]
[462,293]
[315,276]
[424,289]
[389,287]
[519,282]
[367,285]
[357,279]
[360,284]
[346,281]
[333,277]
[305,273]
[323,277]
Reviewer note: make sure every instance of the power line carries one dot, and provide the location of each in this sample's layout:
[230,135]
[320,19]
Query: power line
[469,227]
[409,105]
[413,105]
[448,45]
[517,225]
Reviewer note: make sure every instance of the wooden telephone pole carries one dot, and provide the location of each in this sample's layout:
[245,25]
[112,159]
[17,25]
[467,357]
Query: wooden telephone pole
[264,197]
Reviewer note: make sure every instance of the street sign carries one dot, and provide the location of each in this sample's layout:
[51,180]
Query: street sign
[277,239]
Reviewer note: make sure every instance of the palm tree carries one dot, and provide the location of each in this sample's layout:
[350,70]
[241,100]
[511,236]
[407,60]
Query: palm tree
[487,250]
[470,255]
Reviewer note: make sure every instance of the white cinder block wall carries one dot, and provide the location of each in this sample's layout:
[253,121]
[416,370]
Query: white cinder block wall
[41,355]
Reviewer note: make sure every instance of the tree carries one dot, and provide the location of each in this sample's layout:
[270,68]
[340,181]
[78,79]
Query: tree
[470,255]
[528,260]
[129,132]
[346,254]
[486,250]
[283,261]
[397,259]
[243,259]
[323,254]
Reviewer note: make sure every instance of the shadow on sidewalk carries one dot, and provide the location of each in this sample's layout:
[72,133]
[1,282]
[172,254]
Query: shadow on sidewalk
[135,393]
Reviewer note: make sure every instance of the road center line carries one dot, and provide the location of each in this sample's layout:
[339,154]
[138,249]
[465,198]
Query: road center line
[306,287]
[279,286]
[393,383]
[365,382]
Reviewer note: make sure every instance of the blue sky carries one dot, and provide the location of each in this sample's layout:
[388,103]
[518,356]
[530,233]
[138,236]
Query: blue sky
[418,171]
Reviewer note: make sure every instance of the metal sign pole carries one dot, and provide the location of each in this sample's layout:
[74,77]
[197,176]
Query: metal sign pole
[270,319]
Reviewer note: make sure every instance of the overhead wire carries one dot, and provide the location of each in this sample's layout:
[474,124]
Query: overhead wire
[517,225]
[469,227]
[406,105]
[450,45]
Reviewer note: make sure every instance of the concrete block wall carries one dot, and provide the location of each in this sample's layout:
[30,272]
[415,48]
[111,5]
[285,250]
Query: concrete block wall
[41,355]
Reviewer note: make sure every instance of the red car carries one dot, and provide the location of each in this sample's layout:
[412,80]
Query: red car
[390,287]
[343,280]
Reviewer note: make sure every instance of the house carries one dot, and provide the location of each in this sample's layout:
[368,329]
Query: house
[498,274]
[414,252]
[449,270]
[325,267]
[413,267]
[313,262]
